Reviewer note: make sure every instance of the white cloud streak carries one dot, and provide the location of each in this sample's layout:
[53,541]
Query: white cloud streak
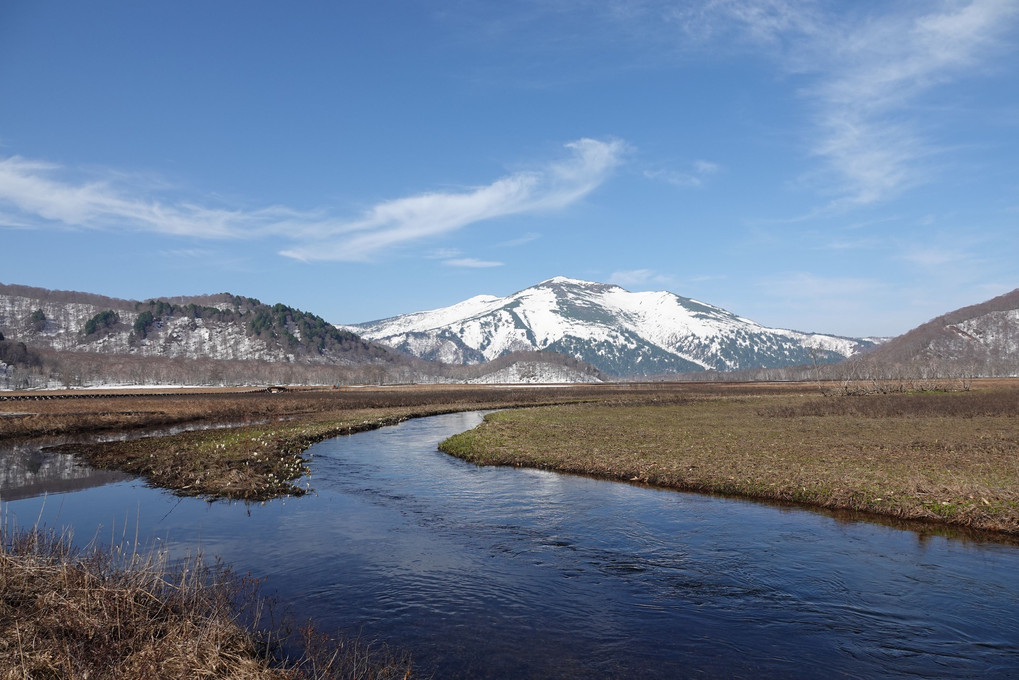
[865,69]
[867,72]
[517,242]
[472,263]
[42,199]
[868,136]
[405,220]
[189,253]
[701,170]
[36,195]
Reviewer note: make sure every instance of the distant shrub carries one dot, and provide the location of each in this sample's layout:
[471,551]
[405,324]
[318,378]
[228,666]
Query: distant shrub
[100,321]
[38,320]
[143,323]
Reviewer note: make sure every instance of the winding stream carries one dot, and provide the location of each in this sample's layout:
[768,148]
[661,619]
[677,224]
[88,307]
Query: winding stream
[507,573]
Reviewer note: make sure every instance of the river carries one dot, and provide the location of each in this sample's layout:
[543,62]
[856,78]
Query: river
[514,573]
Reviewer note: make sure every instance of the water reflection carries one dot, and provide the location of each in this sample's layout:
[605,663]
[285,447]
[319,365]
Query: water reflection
[47,465]
[504,573]
[27,471]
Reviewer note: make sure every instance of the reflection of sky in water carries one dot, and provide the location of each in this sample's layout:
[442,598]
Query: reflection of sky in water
[32,468]
[494,572]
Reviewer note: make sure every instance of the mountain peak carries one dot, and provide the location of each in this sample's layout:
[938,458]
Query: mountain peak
[620,332]
[565,280]
[566,285]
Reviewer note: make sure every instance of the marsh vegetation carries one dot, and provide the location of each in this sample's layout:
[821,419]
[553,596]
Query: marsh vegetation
[256,450]
[114,612]
[942,457]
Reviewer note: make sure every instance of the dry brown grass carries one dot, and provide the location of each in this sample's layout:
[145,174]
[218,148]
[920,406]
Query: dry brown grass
[66,614]
[253,463]
[262,459]
[70,412]
[951,458]
[112,614]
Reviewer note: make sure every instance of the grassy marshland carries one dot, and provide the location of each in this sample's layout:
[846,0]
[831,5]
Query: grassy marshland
[944,457]
[259,453]
[114,614]
[947,457]
[251,463]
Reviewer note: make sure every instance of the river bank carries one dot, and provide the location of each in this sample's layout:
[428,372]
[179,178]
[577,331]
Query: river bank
[238,446]
[937,457]
[115,613]
[250,446]
[504,573]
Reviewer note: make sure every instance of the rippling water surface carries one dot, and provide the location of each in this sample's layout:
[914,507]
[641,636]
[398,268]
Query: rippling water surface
[507,573]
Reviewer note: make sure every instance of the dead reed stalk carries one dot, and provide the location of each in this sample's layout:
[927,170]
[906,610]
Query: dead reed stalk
[112,613]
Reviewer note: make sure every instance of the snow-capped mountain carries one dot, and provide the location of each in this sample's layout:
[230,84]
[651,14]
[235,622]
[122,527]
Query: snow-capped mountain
[71,338]
[619,332]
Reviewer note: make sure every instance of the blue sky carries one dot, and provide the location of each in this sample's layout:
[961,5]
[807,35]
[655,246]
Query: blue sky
[845,167]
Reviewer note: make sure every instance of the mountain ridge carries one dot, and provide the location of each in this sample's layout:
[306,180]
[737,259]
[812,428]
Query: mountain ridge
[615,330]
[72,338]
[221,326]
[981,338]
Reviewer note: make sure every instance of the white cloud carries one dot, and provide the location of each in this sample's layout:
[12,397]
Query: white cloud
[869,70]
[695,178]
[188,253]
[471,263]
[863,68]
[706,167]
[866,67]
[867,135]
[443,253]
[847,244]
[41,198]
[9,221]
[523,240]
[394,223]
[39,195]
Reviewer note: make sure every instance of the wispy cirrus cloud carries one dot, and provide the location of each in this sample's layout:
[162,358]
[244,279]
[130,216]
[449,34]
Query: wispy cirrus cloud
[38,195]
[42,195]
[189,253]
[393,223]
[862,69]
[868,135]
[866,72]
[865,69]
[520,241]
[694,178]
[443,253]
[471,263]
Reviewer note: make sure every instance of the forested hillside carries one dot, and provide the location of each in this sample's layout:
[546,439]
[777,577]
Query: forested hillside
[66,338]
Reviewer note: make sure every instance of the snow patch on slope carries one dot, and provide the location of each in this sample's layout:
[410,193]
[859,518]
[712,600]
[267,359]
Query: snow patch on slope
[603,325]
[533,372]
